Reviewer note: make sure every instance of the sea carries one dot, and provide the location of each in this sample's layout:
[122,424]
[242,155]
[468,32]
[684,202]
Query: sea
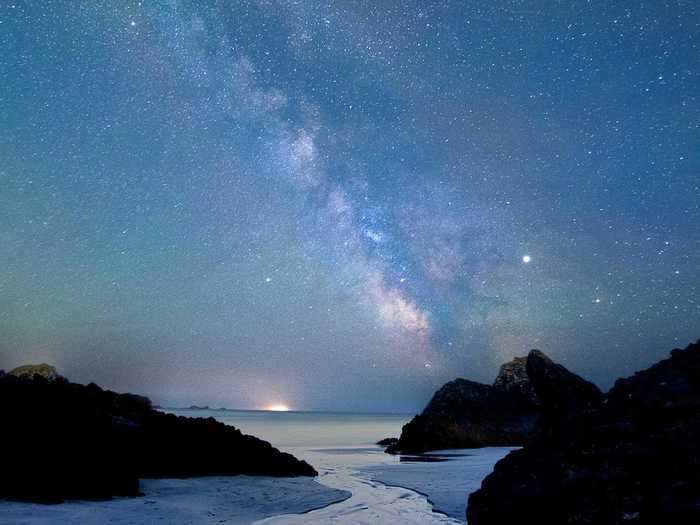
[357,482]
[293,429]
[384,488]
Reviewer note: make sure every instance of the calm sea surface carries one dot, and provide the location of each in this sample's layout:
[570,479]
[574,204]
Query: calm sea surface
[308,429]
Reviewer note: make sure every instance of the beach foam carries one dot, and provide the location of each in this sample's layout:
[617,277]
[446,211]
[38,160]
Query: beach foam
[387,491]
[235,500]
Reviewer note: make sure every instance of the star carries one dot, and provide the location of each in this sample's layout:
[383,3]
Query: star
[391,212]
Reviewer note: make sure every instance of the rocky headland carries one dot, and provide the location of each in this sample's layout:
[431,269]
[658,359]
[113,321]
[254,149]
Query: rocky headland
[467,414]
[629,457]
[63,440]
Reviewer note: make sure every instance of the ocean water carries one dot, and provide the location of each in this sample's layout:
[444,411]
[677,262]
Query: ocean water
[288,430]
[358,484]
[385,489]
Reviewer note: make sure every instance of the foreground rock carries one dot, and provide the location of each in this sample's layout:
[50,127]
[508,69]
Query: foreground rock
[467,414]
[634,459]
[63,441]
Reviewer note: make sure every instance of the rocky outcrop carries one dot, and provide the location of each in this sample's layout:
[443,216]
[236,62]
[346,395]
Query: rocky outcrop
[512,377]
[68,441]
[467,414]
[563,395]
[632,458]
[48,372]
[562,390]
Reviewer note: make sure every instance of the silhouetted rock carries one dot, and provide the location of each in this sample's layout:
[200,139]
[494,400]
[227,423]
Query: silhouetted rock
[558,389]
[563,395]
[512,377]
[63,441]
[467,414]
[632,459]
[48,372]
[386,442]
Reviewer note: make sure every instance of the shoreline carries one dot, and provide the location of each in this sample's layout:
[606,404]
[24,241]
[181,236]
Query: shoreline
[426,496]
[445,484]
[384,490]
[357,483]
[236,500]
[371,502]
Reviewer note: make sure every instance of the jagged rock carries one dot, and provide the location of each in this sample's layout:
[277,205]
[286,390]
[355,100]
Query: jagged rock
[467,414]
[48,372]
[558,389]
[387,442]
[563,395]
[70,441]
[632,459]
[513,377]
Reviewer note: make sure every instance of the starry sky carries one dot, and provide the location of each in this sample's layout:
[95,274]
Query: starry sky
[342,205]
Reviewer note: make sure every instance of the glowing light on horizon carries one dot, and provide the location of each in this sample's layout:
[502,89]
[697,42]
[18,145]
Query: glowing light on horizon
[278,408]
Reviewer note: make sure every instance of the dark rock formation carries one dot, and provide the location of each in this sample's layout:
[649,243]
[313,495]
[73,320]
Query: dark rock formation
[63,441]
[387,442]
[632,459]
[512,377]
[466,414]
[562,393]
[48,372]
[562,390]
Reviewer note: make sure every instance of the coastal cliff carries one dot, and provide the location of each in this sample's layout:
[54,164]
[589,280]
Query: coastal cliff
[632,457]
[71,441]
[467,414]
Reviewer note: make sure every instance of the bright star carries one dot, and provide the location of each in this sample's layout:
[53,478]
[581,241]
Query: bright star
[526,259]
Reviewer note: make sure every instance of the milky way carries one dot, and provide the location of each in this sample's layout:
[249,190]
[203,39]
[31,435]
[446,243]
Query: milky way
[343,205]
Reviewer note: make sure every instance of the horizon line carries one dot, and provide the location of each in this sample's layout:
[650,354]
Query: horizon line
[204,407]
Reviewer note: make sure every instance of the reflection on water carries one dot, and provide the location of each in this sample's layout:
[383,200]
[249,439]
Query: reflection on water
[422,459]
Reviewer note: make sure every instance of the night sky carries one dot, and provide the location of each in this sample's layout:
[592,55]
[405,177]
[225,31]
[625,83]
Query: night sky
[344,205]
